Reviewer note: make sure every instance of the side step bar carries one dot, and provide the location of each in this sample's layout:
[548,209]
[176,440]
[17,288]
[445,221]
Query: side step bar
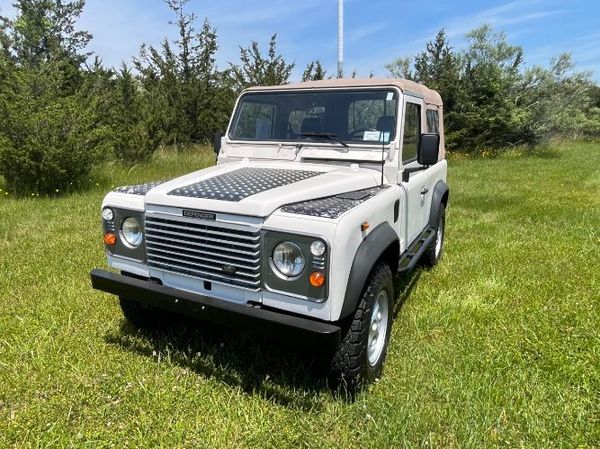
[411,256]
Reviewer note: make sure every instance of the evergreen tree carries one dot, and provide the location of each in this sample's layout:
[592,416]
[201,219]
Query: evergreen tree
[491,102]
[486,117]
[51,122]
[136,130]
[557,101]
[439,68]
[45,30]
[181,77]
[314,72]
[258,70]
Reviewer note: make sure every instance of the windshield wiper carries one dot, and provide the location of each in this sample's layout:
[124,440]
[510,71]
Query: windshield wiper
[324,135]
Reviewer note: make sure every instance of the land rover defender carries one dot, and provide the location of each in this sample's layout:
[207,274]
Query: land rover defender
[323,191]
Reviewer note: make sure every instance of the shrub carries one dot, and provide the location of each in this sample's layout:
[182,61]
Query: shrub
[135,125]
[47,142]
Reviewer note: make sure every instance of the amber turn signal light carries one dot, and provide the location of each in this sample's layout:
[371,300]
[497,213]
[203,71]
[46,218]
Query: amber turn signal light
[110,239]
[317,279]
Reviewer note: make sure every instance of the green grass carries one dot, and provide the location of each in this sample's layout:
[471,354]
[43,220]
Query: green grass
[498,346]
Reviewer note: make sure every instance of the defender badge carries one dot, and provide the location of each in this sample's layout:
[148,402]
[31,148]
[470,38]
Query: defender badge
[202,215]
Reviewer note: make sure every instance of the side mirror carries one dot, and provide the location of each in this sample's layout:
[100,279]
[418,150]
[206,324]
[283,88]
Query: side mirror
[217,142]
[428,151]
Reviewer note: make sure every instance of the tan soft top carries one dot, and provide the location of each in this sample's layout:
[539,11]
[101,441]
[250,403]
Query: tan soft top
[406,86]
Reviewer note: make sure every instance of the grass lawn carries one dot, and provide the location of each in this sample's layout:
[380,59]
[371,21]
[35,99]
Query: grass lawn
[498,346]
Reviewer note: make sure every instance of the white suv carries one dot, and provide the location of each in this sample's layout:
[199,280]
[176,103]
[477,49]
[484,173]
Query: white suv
[323,191]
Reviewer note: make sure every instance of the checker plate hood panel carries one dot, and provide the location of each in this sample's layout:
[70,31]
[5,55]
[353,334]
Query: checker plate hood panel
[258,189]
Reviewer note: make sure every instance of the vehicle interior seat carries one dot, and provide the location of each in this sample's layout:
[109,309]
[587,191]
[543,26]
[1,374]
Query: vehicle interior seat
[386,123]
[311,125]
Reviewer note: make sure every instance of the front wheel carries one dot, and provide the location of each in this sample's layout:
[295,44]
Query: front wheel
[360,357]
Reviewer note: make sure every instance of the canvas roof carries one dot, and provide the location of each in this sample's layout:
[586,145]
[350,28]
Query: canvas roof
[430,96]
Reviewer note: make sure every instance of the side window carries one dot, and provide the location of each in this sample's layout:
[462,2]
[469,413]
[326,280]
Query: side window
[412,131]
[255,121]
[433,121]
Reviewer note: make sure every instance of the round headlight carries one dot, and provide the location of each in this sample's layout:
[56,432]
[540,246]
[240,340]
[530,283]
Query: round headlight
[288,259]
[317,248]
[132,232]
[108,214]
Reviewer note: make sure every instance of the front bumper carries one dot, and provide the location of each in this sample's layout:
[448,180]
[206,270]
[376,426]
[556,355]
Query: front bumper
[302,332]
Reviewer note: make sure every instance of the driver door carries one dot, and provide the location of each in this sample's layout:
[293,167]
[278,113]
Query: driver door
[417,191]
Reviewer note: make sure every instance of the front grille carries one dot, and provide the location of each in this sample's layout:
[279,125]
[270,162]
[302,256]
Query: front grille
[209,252]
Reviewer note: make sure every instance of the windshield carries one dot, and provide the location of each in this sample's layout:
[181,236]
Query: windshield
[337,117]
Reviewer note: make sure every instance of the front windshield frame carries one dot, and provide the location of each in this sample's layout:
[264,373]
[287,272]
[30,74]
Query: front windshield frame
[396,95]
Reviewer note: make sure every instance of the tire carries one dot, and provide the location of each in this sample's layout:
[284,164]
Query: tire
[434,251]
[353,365]
[140,316]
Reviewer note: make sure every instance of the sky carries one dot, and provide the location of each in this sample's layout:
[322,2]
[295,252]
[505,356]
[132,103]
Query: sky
[376,31]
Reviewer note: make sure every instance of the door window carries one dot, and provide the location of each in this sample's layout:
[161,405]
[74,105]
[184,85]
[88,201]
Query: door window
[412,131]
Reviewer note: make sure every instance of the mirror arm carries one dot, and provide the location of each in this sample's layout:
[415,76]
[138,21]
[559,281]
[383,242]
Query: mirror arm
[217,142]
[407,171]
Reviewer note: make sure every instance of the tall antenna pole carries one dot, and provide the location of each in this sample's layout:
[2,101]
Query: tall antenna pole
[340,62]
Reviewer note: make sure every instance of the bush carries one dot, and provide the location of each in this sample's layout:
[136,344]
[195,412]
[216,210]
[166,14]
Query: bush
[135,125]
[47,142]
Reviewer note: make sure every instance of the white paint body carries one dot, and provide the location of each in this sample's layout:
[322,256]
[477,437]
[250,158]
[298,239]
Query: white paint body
[263,210]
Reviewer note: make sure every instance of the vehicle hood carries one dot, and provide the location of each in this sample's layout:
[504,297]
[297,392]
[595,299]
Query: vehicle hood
[259,188]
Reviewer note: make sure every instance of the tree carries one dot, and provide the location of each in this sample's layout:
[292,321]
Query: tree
[51,119]
[438,67]
[258,70]
[136,129]
[182,79]
[45,30]
[557,101]
[486,116]
[314,72]
[400,68]
[491,101]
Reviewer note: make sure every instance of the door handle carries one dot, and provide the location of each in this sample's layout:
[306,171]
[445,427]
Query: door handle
[424,190]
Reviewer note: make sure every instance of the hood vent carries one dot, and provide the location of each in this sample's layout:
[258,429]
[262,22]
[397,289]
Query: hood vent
[333,206]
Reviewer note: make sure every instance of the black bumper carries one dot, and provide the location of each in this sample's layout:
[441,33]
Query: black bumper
[302,332]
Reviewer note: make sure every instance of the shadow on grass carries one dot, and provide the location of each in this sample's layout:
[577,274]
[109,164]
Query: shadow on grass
[275,371]
[403,287]
[257,366]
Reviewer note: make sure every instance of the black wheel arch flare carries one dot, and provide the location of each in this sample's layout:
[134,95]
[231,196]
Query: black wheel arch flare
[383,240]
[440,196]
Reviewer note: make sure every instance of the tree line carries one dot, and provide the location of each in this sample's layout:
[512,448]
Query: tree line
[62,110]
[492,100]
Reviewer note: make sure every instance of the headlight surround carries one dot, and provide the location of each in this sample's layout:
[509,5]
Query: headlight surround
[288,259]
[131,231]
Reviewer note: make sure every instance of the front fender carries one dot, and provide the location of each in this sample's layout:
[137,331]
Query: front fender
[369,252]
